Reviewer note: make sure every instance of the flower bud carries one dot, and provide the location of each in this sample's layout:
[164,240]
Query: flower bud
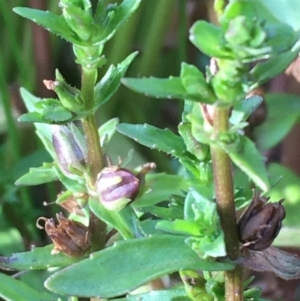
[260,223]
[116,187]
[69,237]
[69,96]
[69,153]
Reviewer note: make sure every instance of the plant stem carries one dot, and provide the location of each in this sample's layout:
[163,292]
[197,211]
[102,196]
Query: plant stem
[97,227]
[95,161]
[225,204]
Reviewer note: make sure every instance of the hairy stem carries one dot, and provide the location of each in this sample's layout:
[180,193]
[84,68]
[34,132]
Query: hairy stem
[225,204]
[97,227]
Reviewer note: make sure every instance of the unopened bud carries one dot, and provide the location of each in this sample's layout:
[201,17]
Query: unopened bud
[69,237]
[116,187]
[70,155]
[260,223]
[68,95]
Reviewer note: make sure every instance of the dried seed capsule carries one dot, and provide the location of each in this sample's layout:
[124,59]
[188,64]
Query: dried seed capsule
[69,237]
[116,187]
[260,223]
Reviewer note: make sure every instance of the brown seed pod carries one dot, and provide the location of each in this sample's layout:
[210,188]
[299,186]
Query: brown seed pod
[69,237]
[260,223]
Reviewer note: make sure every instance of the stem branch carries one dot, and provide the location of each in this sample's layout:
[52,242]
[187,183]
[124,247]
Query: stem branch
[225,204]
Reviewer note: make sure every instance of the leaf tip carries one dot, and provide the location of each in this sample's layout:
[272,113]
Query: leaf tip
[17,9]
[18,183]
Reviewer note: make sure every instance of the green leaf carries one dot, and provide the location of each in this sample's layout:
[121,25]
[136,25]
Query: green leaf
[209,241]
[200,208]
[283,12]
[47,110]
[115,17]
[43,130]
[155,138]
[182,227]
[122,221]
[242,110]
[207,38]
[199,150]
[153,257]
[149,227]
[80,21]
[262,72]
[36,278]
[173,212]
[76,184]
[158,87]
[53,111]
[107,130]
[245,156]
[12,289]
[208,246]
[111,81]
[161,186]
[195,83]
[39,175]
[38,258]
[177,294]
[283,113]
[31,117]
[238,8]
[51,22]
[281,37]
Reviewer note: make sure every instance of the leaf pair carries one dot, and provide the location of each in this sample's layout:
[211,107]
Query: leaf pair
[77,25]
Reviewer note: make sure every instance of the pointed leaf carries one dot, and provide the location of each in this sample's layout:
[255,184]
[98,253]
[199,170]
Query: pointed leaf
[43,130]
[122,221]
[129,264]
[37,176]
[207,38]
[32,117]
[53,111]
[51,22]
[75,184]
[80,21]
[107,130]
[245,156]
[177,294]
[12,289]
[179,227]
[111,81]
[283,11]
[163,213]
[161,186]
[155,138]
[243,109]
[56,115]
[195,83]
[158,87]
[262,72]
[38,258]
[114,19]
